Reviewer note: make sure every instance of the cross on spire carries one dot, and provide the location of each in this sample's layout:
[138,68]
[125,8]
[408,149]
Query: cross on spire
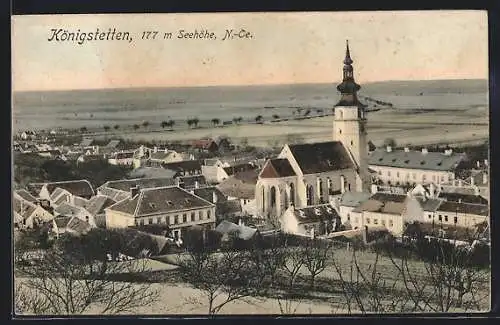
[347,60]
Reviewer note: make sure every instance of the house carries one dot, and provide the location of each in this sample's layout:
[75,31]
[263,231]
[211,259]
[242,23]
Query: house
[192,181]
[122,158]
[210,193]
[87,143]
[213,170]
[69,224]
[51,154]
[241,186]
[228,229]
[412,167]
[347,203]
[81,188]
[157,158]
[185,168]
[28,135]
[121,189]
[229,208]
[96,207]
[172,206]
[90,157]
[310,221]
[69,210]
[461,214]
[390,211]
[205,145]
[27,214]
[114,145]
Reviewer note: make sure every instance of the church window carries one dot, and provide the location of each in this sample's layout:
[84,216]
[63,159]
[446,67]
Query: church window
[273,196]
[368,220]
[263,198]
[310,195]
[320,187]
[389,173]
[391,223]
[455,220]
[352,142]
[414,175]
[423,177]
[397,174]
[292,194]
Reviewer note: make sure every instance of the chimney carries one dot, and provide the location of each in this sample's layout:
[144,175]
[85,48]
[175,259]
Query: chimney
[389,148]
[486,162]
[431,190]
[459,200]
[196,184]
[407,149]
[214,197]
[478,164]
[472,180]
[476,191]
[374,188]
[134,190]
[485,178]
[424,151]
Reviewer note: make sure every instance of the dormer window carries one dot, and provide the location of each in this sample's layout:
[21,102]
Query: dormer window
[422,162]
[317,211]
[152,205]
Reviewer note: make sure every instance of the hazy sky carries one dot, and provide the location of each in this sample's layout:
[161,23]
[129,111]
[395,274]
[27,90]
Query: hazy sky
[285,48]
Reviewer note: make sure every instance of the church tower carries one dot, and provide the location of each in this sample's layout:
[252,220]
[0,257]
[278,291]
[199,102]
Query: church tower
[350,121]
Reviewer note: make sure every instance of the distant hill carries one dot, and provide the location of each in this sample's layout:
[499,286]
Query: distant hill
[412,87]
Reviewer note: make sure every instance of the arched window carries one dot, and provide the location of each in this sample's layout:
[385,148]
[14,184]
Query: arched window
[310,195]
[263,199]
[273,196]
[292,194]
[343,184]
[285,198]
[320,189]
[329,184]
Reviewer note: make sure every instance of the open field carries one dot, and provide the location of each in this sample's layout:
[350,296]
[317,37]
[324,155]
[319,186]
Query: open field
[408,128]
[423,112]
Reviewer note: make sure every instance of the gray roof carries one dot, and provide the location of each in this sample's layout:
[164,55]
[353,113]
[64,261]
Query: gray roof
[354,199]
[316,213]
[98,203]
[160,200]
[416,159]
[429,205]
[466,208]
[26,195]
[67,209]
[81,187]
[244,232]
[207,193]
[125,184]
[87,142]
[228,207]
[321,157]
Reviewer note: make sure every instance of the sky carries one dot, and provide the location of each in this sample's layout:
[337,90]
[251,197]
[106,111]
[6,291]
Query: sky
[285,48]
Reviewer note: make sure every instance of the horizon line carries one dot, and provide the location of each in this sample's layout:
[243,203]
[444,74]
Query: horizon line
[238,85]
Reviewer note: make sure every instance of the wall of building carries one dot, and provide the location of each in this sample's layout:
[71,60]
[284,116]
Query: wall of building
[413,211]
[417,176]
[214,174]
[115,219]
[462,219]
[393,222]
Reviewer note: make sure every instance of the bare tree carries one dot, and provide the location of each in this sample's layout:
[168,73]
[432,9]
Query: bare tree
[315,258]
[294,261]
[222,277]
[215,121]
[63,285]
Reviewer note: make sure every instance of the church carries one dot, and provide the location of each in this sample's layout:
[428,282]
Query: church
[310,174]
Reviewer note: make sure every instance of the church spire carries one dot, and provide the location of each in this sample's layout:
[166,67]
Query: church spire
[348,87]
[347,60]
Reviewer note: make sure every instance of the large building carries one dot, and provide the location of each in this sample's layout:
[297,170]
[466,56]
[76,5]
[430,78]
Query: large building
[309,174]
[405,166]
